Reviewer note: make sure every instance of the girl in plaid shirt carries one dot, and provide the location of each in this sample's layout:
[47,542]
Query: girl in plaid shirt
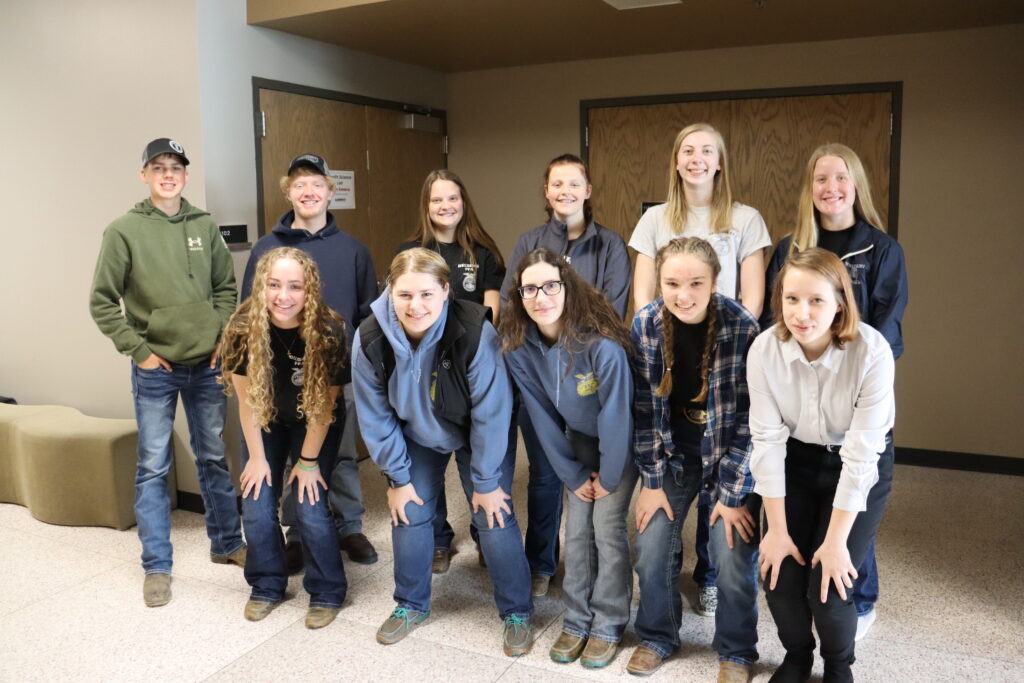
[691,436]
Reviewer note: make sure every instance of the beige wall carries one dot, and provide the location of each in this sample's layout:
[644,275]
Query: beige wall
[961,383]
[85,86]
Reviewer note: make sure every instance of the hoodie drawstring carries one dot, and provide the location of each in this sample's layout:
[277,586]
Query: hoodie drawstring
[188,251]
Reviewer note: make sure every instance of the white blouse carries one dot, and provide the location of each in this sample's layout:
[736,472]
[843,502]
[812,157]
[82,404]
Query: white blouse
[844,398]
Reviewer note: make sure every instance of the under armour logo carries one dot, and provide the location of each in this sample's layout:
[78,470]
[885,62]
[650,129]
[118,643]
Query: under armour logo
[195,243]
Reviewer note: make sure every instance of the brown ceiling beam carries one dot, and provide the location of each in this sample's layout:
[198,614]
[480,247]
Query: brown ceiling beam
[260,11]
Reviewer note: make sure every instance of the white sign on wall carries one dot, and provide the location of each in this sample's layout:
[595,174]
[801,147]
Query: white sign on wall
[344,190]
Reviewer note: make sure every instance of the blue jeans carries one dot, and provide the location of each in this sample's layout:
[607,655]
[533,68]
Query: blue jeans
[443,531]
[736,617]
[156,399]
[265,567]
[345,488]
[413,543]
[659,559]
[703,570]
[543,503]
[865,587]
[598,581]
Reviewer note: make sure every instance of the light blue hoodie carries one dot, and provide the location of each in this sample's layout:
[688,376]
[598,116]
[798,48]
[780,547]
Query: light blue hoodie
[594,398]
[403,410]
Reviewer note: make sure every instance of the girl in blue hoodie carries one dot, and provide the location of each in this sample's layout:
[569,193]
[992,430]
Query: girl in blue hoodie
[566,348]
[449,225]
[429,380]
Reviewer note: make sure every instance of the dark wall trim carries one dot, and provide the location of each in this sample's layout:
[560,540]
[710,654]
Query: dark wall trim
[893,87]
[296,89]
[193,502]
[969,462]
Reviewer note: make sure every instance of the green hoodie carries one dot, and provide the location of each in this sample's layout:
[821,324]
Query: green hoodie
[176,278]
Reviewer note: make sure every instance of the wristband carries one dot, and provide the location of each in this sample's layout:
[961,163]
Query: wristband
[314,468]
[302,457]
[392,484]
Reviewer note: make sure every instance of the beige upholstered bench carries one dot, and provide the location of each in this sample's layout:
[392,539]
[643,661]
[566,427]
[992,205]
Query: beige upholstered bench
[68,468]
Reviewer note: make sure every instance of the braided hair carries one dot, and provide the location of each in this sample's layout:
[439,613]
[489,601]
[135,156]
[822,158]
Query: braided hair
[706,253]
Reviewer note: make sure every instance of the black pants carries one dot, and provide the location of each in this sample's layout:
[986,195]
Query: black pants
[812,473]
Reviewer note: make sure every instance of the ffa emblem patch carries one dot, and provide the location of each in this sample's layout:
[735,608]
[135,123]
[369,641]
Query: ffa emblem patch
[587,384]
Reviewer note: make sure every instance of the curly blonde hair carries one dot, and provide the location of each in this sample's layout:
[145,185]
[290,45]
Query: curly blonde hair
[247,339]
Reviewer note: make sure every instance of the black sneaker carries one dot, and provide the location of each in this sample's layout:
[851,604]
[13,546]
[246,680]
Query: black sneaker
[359,548]
[293,561]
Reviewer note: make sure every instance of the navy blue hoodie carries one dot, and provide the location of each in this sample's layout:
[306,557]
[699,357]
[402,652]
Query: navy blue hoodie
[403,409]
[599,256]
[594,397]
[878,271]
[348,280]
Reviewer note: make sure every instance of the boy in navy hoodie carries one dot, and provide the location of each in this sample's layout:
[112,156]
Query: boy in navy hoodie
[349,287]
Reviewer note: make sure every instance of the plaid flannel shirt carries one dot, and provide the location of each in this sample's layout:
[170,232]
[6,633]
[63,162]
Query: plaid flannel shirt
[726,446]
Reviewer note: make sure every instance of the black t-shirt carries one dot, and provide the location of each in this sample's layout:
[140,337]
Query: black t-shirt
[468,281]
[287,351]
[688,416]
[836,241]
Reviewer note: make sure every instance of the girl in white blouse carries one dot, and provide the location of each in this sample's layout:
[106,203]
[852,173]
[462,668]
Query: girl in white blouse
[821,405]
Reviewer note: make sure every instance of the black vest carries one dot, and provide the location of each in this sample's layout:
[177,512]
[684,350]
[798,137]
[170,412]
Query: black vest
[453,354]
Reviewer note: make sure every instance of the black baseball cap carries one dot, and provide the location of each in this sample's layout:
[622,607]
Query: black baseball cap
[163,146]
[312,160]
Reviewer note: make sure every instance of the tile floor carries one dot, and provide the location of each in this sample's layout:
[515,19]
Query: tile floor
[71,605]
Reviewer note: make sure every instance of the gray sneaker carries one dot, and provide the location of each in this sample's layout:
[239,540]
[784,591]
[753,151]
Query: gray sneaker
[707,601]
[399,624]
[517,637]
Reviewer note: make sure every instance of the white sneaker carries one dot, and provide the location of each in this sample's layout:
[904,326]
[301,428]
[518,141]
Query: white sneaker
[864,623]
[707,601]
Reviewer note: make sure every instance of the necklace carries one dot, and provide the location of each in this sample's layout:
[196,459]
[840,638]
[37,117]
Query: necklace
[297,372]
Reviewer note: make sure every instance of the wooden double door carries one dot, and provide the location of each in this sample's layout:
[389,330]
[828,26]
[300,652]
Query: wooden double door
[389,161]
[769,137]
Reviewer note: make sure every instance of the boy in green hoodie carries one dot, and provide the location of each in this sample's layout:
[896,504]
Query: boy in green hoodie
[166,261]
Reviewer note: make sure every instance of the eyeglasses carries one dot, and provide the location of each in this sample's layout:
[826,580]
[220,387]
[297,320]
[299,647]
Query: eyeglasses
[549,288]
